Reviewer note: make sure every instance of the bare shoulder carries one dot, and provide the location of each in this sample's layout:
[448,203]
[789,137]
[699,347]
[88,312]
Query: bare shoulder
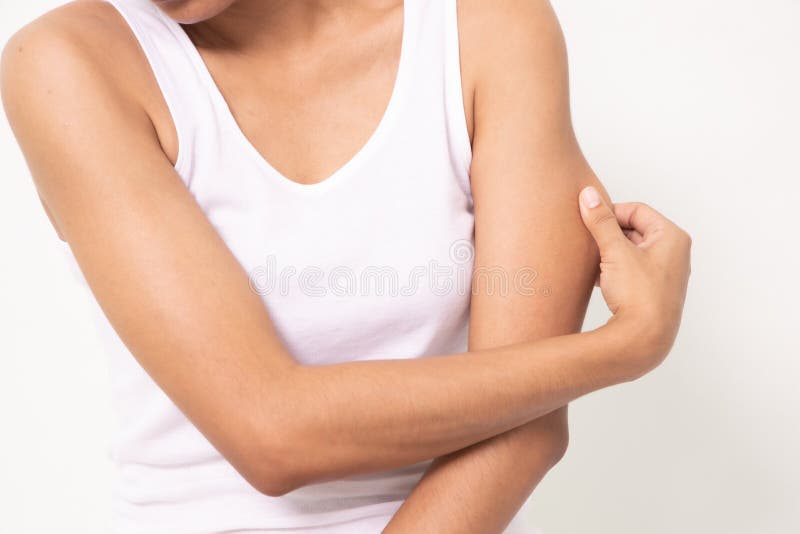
[80,47]
[85,32]
[509,47]
[514,54]
[74,84]
[507,29]
[501,37]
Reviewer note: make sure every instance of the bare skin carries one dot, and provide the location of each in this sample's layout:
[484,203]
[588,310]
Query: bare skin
[526,173]
[70,80]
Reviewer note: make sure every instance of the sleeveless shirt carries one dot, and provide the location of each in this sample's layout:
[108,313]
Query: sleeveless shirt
[374,262]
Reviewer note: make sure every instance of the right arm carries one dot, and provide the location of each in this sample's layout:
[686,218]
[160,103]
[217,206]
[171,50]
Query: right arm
[183,306]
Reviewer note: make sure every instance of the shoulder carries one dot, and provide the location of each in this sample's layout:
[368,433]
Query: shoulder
[510,28]
[74,81]
[511,51]
[87,31]
[83,46]
[503,39]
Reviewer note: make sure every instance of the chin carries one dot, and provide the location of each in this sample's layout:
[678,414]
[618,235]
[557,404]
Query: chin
[192,11]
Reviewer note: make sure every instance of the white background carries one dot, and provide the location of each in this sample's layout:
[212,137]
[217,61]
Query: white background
[690,105]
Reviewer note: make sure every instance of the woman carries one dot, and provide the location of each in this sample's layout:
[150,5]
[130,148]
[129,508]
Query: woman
[274,203]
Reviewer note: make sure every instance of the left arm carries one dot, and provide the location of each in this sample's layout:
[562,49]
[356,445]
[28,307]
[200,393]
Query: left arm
[526,174]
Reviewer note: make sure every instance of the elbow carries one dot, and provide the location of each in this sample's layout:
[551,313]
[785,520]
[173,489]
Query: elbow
[551,450]
[277,453]
[558,447]
[275,473]
[279,467]
[272,478]
[272,485]
[555,437]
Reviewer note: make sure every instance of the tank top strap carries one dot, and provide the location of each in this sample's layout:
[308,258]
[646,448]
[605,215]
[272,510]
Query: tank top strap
[162,41]
[430,82]
[437,74]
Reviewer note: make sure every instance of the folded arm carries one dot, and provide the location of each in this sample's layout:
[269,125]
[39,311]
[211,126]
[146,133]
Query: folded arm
[527,171]
[182,304]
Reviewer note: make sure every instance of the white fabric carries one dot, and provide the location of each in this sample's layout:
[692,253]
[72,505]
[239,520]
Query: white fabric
[402,202]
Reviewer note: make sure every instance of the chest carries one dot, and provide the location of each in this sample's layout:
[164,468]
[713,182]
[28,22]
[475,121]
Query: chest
[374,260]
[375,263]
[307,106]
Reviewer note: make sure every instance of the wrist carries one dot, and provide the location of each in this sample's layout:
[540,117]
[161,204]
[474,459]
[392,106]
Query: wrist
[635,346]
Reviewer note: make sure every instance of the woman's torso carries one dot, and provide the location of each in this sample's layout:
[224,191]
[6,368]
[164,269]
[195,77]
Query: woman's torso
[371,259]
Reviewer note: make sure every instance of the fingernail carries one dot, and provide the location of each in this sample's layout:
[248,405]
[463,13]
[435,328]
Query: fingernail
[590,197]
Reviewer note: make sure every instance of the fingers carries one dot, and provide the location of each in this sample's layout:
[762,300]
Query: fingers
[600,220]
[634,236]
[640,217]
[645,226]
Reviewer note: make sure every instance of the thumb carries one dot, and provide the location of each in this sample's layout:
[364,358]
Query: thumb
[600,219]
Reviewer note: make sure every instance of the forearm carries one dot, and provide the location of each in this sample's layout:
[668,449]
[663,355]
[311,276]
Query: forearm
[482,487]
[367,416]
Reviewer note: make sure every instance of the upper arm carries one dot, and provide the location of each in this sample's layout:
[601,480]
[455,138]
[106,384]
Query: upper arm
[164,278]
[526,174]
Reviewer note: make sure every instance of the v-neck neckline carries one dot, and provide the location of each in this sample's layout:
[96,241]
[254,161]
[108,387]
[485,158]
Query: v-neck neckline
[345,170]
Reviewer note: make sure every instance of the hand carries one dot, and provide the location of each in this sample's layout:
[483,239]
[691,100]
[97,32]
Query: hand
[644,272]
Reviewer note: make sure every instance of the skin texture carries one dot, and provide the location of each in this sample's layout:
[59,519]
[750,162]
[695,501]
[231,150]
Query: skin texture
[70,79]
[526,173]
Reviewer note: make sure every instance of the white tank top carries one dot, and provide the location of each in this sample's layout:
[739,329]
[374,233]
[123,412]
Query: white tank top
[374,262]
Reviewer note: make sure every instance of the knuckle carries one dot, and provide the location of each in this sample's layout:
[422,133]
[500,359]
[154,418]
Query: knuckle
[640,209]
[604,218]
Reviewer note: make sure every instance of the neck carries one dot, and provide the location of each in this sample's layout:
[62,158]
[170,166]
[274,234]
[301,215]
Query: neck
[249,24]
